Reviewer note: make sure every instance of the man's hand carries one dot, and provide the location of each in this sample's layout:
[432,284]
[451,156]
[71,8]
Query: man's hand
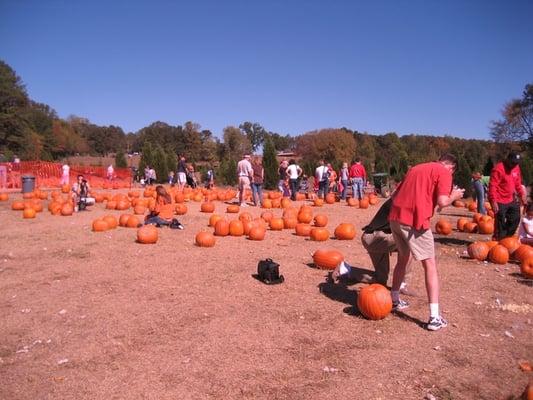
[495,207]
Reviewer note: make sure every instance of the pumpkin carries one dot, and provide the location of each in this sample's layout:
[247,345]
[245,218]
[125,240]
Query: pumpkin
[233,209]
[4,197]
[139,209]
[37,205]
[374,301]
[99,225]
[236,228]
[486,227]
[511,243]
[213,219]
[122,205]
[327,258]
[17,205]
[319,234]
[222,228]
[330,198]
[267,216]
[352,202]
[303,229]
[276,224]
[443,227]
[181,209]
[528,392]
[256,233]
[55,208]
[305,208]
[43,195]
[289,222]
[373,200]
[290,212]
[477,217]
[478,251]
[147,234]
[260,222]
[491,243]
[179,197]
[247,225]
[363,203]
[111,221]
[458,204]
[461,224]
[472,206]
[318,202]
[29,213]
[65,188]
[207,207]
[526,267]
[499,254]
[267,203]
[286,202]
[345,231]
[204,239]
[67,209]
[123,219]
[523,252]
[111,205]
[470,227]
[305,216]
[245,216]
[133,222]
[321,220]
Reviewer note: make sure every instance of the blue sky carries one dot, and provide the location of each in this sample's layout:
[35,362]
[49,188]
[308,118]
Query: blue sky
[423,67]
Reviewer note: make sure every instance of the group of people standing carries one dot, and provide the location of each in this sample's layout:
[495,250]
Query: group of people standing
[354,177]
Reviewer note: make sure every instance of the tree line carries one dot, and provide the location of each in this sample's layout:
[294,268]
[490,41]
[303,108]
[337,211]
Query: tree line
[33,131]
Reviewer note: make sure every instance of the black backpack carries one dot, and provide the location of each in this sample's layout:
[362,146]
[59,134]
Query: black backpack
[268,272]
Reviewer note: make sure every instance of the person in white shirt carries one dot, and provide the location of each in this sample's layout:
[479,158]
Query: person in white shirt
[65,174]
[110,172]
[244,174]
[322,176]
[525,231]
[294,171]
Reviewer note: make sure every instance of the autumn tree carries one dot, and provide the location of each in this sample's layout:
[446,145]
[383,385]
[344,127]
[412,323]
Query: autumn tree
[254,132]
[270,164]
[333,145]
[120,160]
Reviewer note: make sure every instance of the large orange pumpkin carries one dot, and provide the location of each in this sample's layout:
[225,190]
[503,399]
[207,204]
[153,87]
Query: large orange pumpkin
[99,225]
[352,202]
[499,254]
[330,198]
[256,233]
[470,227]
[461,222]
[213,219]
[486,227]
[327,258]
[17,205]
[267,203]
[204,239]
[286,202]
[318,202]
[4,197]
[276,224]
[222,228]
[320,220]
[511,243]
[147,234]
[526,267]
[319,234]
[133,222]
[207,207]
[305,216]
[67,209]
[523,252]
[443,227]
[111,221]
[232,209]
[267,215]
[345,231]
[236,228]
[245,216]
[303,229]
[472,206]
[181,209]
[374,301]
[478,251]
[123,219]
[363,203]
[29,213]
[289,222]
[246,226]
[139,209]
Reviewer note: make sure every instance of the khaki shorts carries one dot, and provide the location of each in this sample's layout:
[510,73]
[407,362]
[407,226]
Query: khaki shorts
[244,183]
[182,178]
[418,242]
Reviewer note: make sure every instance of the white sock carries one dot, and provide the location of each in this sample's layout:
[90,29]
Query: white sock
[403,285]
[395,294]
[434,310]
[344,268]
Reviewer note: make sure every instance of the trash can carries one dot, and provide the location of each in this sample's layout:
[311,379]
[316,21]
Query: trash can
[28,183]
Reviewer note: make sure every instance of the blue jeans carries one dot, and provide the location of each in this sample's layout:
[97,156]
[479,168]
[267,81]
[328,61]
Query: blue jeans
[156,220]
[293,183]
[480,196]
[344,187]
[357,188]
[257,189]
[323,188]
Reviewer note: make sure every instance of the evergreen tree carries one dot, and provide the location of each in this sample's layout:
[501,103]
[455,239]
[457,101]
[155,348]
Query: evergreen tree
[147,158]
[487,169]
[160,164]
[463,175]
[172,161]
[227,171]
[270,164]
[120,160]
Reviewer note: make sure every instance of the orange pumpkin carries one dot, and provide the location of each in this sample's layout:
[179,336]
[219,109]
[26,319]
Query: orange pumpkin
[17,205]
[303,229]
[245,216]
[256,233]
[478,251]
[461,224]
[267,203]
[374,301]
[363,203]
[459,204]
[67,209]
[213,219]
[499,254]
[111,221]
[267,216]
[29,213]
[321,220]
[233,209]
[491,243]
[472,206]
[345,231]
[443,227]
[305,216]
[133,222]
[318,202]
[147,234]
[526,267]
[222,228]
[246,226]
[511,243]
[477,217]
[286,202]
[99,225]
[181,209]
[207,207]
[352,202]
[276,224]
[204,239]
[111,205]
[123,219]
[139,209]
[179,197]
[236,228]
[470,227]
[330,198]
[289,222]
[4,197]
[373,200]
[486,227]
[65,188]
[523,252]
[327,258]
[319,234]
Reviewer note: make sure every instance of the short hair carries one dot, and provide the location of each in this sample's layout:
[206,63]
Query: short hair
[448,158]
[357,159]
[529,207]
[291,161]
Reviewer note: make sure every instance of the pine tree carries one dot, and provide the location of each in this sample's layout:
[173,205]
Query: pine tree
[120,160]
[147,158]
[463,175]
[172,161]
[487,169]
[270,164]
[228,171]
[160,164]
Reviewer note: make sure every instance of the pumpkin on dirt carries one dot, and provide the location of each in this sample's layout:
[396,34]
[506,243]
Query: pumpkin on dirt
[267,215]
[111,221]
[318,202]
[510,243]
[443,227]
[17,205]
[147,234]
[319,234]
[67,209]
[470,227]
[204,239]
[233,209]
[374,301]
[352,202]
[207,207]
[4,197]
[276,224]
[256,233]
[478,251]
[523,252]
[499,254]
[28,213]
[486,227]
[245,216]
[267,203]
[99,225]
[461,222]
[139,209]
[236,228]
[303,229]
[133,222]
[320,220]
[305,216]
[327,258]
[123,219]
[289,222]
[330,198]
[286,202]
[526,267]
[213,219]
[491,243]
[363,203]
[222,228]
[345,231]
[181,209]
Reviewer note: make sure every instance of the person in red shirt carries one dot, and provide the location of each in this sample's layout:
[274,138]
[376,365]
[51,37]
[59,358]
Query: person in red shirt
[425,187]
[505,186]
[358,178]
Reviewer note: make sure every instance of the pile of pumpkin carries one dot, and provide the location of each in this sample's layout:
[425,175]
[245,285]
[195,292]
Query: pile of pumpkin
[471,205]
[504,250]
[483,224]
[31,204]
[255,228]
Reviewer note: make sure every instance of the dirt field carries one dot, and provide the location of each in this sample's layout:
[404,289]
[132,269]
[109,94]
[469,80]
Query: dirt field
[97,316]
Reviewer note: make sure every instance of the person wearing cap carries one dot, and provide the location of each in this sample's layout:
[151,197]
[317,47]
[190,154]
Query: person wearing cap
[245,173]
[505,187]
[479,189]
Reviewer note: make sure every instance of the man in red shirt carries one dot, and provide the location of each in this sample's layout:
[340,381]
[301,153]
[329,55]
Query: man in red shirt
[504,186]
[425,187]
[357,178]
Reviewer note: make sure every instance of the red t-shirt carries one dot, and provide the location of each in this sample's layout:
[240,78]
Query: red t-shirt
[504,184]
[358,171]
[416,198]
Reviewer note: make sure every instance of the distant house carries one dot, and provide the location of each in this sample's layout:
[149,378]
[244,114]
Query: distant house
[287,155]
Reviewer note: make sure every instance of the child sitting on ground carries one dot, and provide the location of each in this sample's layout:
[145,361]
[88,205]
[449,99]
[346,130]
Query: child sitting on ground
[162,213]
[525,232]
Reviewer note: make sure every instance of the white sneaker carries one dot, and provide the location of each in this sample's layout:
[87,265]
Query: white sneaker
[436,323]
[244,205]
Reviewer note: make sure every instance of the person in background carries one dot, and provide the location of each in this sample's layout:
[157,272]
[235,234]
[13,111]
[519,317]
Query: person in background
[257,181]
[425,187]
[505,187]
[182,173]
[344,175]
[322,177]
[332,178]
[171,178]
[282,172]
[65,174]
[294,172]
[244,174]
[358,178]
[110,172]
[147,175]
[162,214]
[153,176]
[81,194]
[525,231]
[479,191]
[210,178]
[304,185]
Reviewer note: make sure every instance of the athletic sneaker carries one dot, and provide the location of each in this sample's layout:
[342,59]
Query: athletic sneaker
[436,323]
[180,226]
[400,305]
